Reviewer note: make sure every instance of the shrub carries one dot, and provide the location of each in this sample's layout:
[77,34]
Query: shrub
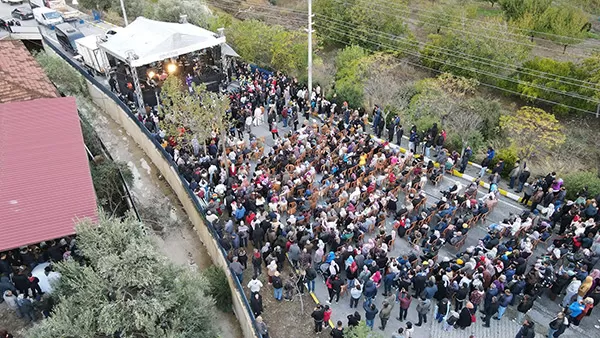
[219,287]
[576,181]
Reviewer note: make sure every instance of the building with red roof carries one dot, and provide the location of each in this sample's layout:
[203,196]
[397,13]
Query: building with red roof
[45,180]
[21,77]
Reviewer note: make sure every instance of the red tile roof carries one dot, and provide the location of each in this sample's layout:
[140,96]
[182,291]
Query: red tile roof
[21,77]
[45,180]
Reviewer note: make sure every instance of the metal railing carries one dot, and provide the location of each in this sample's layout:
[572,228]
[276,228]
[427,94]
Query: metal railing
[167,157]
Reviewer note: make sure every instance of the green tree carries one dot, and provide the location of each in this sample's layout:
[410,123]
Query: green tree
[126,287]
[553,76]
[576,181]
[106,176]
[362,331]
[349,79]
[67,79]
[198,115]
[515,9]
[567,24]
[170,11]
[461,51]
[102,5]
[532,132]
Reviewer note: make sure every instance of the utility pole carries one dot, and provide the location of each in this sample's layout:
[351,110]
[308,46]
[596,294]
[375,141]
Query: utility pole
[124,13]
[310,61]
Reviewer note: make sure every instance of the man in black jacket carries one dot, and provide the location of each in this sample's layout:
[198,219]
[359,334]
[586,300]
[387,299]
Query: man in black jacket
[338,331]
[490,310]
[318,315]
[354,320]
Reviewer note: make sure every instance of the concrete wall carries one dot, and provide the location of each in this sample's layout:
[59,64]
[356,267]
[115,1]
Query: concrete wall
[172,177]
[101,98]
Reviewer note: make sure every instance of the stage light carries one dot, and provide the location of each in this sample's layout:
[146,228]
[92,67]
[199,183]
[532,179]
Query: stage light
[151,74]
[171,67]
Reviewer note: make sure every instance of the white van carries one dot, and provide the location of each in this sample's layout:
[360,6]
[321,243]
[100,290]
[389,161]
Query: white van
[47,17]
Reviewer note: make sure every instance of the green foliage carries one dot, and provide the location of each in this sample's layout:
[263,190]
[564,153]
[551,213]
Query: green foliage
[106,176]
[67,79]
[218,287]
[90,138]
[576,181]
[532,132]
[199,114]
[126,287]
[362,331]
[363,23]
[102,5]
[566,22]
[349,78]
[461,51]
[510,157]
[269,46]
[515,9]
[556,72]
[170,10]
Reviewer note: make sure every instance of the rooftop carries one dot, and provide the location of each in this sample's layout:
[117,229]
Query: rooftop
[45,180]
[21,77]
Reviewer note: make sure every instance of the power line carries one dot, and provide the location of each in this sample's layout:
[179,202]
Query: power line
[572,95]
[482,60]
[473,58]
[351,35]
[386,11]
[484,84]
[416,8]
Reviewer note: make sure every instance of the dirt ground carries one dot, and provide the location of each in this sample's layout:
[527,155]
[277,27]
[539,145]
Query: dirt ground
[285,318]
[11,323]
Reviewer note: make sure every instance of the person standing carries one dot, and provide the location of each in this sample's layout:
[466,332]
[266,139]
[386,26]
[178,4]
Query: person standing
[558,325]
[399,134]
[464,160]
[514,174]
[370,313]
[262,327]
[526,331]
[465,317]
[423,308]
[237,268]
[405,300]
[311,275]
[289,287]
[277,286]
[318,314]
[443,308]
[338,331]
[256,304]
[386,311]
[355,295]
[503,303]
[257,262]
[489,310]
[26,307]
[524,306]
[254,285]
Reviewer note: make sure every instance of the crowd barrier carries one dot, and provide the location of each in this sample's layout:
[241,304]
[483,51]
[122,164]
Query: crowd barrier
[121,113]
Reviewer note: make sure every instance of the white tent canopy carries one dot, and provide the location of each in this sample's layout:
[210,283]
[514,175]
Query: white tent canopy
[150,41]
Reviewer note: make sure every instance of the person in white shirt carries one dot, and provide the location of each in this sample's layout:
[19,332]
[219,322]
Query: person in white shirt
[211,217]
[254,285]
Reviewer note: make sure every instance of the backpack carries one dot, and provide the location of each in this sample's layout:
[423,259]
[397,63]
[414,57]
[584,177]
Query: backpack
[277,283]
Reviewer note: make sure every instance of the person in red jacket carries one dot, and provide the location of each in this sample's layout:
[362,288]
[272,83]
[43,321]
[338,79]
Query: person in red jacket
[405,300]
[327,314]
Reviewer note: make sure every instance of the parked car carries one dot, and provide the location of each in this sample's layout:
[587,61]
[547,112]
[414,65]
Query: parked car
[47,17]
[23,13]
[13,2]
[7,23]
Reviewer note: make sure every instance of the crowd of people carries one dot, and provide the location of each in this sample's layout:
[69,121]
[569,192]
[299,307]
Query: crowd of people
[26,294]
[330,200]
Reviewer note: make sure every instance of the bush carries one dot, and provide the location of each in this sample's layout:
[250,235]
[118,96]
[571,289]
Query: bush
[219,287]
[576,181]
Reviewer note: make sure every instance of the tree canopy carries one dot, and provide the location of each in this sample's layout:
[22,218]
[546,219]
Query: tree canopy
[532,132]
[126,289]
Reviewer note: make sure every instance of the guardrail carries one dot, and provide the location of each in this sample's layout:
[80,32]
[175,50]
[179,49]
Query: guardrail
[219,261]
